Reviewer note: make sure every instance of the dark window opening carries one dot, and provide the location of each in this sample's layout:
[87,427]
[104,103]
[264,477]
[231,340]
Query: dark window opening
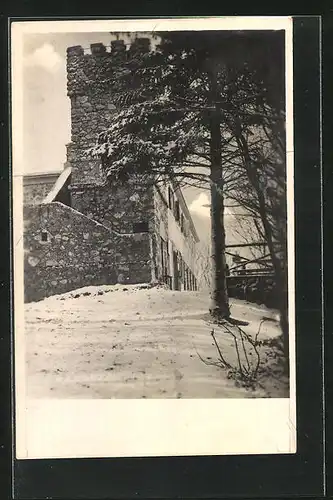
[182,224]
[180,265]
[186,278]
[177,211]
[162,252]
[170,200]
[140,227]
[44,236]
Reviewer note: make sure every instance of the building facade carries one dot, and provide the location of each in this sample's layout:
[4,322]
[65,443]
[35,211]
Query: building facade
[81,229]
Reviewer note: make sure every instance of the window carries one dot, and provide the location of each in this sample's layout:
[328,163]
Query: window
[190,280]
[140,227]
[177,211]
[162,252]
[184,272]
[186,278]
[180,265]
[170,198]
[44,236]
[183,224]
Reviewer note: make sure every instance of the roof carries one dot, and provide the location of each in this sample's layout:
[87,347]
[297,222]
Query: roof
[59,184]
[41,177]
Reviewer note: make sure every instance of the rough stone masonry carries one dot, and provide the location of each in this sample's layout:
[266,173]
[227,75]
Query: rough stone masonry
[106,232]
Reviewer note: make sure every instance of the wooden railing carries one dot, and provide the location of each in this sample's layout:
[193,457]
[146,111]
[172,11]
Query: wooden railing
[257,288]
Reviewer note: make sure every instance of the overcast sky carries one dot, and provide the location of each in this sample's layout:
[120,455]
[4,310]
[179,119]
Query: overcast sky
[46,105]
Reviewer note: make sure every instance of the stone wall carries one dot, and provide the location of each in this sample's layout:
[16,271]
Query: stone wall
[65,250]
[36,188]
[117,206]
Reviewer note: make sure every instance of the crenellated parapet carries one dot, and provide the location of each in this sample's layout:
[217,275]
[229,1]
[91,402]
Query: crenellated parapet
[89,70]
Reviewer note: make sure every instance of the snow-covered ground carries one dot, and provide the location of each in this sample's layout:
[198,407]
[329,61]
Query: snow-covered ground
[139,342]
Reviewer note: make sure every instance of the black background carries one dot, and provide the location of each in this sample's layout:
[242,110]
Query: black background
[202,477]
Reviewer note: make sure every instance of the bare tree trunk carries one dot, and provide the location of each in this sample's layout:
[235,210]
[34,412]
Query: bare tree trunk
[219,297]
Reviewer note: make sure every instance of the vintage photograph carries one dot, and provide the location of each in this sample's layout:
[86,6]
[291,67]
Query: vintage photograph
[153,219]
[154,182]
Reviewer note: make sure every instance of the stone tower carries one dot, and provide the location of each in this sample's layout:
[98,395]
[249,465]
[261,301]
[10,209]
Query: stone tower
[124,208]
[89,230]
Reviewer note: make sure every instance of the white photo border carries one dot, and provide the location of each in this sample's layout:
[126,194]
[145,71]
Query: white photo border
[151,427]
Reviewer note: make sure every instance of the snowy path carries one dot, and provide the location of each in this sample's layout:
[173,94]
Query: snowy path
[121,342]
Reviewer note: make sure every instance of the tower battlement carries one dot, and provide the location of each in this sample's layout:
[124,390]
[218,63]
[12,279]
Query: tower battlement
[141,44]
[87,66]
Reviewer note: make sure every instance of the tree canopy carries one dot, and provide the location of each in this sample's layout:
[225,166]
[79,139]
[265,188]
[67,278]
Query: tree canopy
[165,102]
[206,109]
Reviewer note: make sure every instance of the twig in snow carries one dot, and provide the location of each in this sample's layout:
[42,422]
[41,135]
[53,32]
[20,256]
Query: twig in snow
[245,353]
[219,350]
